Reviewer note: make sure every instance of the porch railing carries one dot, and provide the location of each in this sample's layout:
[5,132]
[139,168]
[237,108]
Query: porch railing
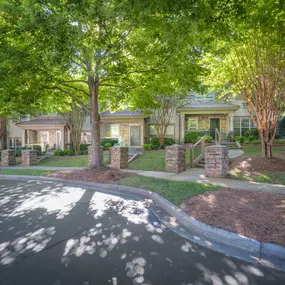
[199,144]
[217,136]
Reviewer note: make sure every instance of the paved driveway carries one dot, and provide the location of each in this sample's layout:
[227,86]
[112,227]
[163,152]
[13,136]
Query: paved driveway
[56,234]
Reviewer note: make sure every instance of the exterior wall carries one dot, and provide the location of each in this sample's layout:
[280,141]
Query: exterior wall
[204,121]
[242,111]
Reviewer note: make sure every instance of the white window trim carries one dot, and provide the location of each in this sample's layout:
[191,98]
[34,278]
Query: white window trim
[240,128]
[137,125]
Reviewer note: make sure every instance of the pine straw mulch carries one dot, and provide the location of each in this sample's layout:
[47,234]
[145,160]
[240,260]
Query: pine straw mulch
[256,164]
[256,215]
[101,174]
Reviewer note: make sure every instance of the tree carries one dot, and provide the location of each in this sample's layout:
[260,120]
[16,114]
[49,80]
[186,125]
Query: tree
[112,51]
[3,130]
[249,60]
[75,119]
[162,113]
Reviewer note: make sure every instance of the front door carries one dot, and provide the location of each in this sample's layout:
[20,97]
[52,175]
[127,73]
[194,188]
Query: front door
[135,131]
[214,124]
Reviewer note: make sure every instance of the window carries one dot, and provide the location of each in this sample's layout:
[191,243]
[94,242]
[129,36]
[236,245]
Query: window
[192,124]
[112,130]
[207,97]
[86,137]
[244,106]
[14,142]
[242,125]
[169,132]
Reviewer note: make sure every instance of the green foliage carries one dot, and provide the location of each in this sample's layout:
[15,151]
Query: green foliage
[167,141]
[255,142]
[84,147]
[231,136]
[146,146]
[208,139]
[154,147]
[38,148]
[239,139]
[252,133]
[281,128]
[112,142]
[71,152]
[107,145]
[192,137]
[280,141]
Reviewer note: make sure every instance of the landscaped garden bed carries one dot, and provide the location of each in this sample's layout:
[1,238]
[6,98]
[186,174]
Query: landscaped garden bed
[256,215]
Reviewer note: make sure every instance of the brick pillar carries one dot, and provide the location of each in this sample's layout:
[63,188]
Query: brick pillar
[119,157]
[90,155]
[29,157]
[175,158]
[8,157]
[217,161]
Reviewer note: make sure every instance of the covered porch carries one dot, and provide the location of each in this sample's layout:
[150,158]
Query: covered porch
[50,134]
[206,117]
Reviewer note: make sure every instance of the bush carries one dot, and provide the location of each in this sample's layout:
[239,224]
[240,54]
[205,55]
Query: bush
[146,146]
[278,141]
[107,145]
[167,141]
[163,146]
[246,141]
[239,139]
[255,142]
[38,148]
[111,141]
[208,139]
[192,137]
[281,128]
[71,152]
[84,146]
[231,136]
[252,133]
[154,147]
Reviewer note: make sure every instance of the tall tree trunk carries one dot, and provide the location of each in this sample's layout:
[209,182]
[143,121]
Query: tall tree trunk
[95,121]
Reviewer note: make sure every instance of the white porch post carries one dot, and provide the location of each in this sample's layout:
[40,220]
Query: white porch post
[231,122]
[23,139]
[62,138]
[142,133]
[182,128]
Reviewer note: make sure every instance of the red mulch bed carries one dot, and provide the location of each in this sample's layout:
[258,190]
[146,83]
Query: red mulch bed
[100,175]
[251,164]
[253,214]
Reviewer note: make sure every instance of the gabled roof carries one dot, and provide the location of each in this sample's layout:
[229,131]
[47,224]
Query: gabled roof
[208,105]
[123,113]
[42,122]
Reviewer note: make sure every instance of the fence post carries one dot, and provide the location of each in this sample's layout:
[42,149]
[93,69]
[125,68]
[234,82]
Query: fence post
[191,156]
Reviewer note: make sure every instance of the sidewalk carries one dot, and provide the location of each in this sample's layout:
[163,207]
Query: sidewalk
[192,174]
[198,175]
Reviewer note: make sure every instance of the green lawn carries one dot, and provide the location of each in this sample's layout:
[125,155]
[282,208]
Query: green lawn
[174,191]
[70,161]
[256,150]
[31,172]
[154,160]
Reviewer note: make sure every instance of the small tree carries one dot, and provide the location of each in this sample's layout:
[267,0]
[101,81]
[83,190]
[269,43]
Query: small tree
[162,113]
[75,120]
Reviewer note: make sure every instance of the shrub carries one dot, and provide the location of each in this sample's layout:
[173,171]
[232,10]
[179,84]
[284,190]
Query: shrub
[84,146]
[239,139]
[56,152]
[146,146]
[208,139]
[231,136]
[38,148]
[252,133]
[281,128]
[278,141]
[192,137]
[246,141]
[107,145]
[111,141]
[255,142]
[167,141]
[154,147]
[163,146]
[71,152]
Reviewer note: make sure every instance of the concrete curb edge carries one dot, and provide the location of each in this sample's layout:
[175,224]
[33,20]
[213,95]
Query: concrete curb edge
[229,243]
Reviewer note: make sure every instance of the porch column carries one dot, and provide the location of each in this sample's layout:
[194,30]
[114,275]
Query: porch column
[62,146]
[23,138]
[182,128]
[142,133]
[231,122]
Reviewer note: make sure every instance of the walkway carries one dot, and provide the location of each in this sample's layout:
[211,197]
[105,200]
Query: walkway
[55,234]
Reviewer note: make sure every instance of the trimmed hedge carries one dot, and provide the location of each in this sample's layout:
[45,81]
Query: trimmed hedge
[167,141]
[192,137]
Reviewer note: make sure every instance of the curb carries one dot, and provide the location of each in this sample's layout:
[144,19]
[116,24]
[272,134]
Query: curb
[231,244]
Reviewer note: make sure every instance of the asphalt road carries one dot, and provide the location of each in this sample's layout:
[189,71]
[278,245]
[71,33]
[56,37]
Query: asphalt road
[56,234]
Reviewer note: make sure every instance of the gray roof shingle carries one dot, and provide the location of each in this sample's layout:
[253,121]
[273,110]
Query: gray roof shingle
[208,105]
[123,113]
[43,122]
